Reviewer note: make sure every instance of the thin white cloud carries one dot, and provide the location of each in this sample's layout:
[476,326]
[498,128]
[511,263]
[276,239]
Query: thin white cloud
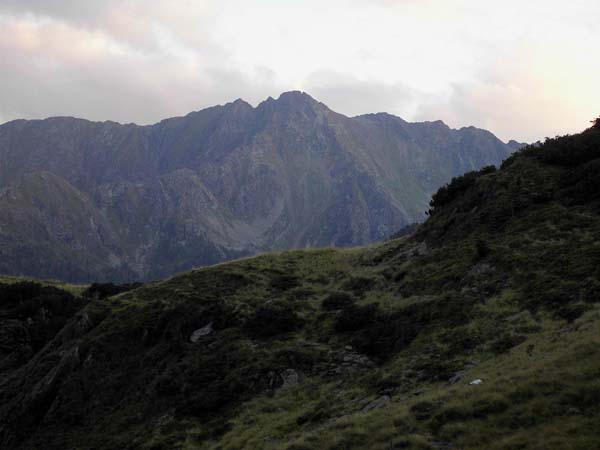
[522,69]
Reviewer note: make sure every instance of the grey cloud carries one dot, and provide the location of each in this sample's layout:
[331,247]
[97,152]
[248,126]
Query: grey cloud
[51,6]
[104,96]
[61,67]
[131,87]
[135,23]
[69,10]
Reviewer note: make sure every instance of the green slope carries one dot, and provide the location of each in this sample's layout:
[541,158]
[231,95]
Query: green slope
[372,347]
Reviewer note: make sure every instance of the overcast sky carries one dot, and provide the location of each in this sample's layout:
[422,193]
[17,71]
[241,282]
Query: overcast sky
[522,69]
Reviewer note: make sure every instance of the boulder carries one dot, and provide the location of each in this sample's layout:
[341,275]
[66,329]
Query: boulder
[377,403]
[290,378]
[423,249]
[481,269]
[204,331]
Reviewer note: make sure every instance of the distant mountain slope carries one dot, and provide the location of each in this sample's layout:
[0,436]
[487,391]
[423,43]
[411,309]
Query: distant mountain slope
[81,200]
[479,331]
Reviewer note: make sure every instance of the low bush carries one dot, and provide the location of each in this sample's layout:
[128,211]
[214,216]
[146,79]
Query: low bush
[386,334]
[446,194]
[488,406]
[505,342]
[461,340]
[571,312]
[436,368]
[571,151]
[337,300]
[482,250]
[452,414]
[284,282]
[268,321]
[319,413]
[46,309]
[353,317]
[580,185]
[358,285]
[14,294]
[481,409]
[590,292]
[424,410]
[405,231]
[104,290]
[586,398]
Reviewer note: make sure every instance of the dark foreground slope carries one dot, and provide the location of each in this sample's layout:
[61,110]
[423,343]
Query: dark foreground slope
[105,201]
[352,349]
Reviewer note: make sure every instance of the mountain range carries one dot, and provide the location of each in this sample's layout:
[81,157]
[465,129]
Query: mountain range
[480,330]
[83,200]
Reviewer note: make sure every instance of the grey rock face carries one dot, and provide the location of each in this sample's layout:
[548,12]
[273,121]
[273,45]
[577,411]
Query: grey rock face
[204,331]
[290,378]
[377,404]
[15,344]
[80,325]
[86,201]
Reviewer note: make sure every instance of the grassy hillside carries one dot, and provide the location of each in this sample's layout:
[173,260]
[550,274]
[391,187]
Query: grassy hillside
[479,331]
[75,289]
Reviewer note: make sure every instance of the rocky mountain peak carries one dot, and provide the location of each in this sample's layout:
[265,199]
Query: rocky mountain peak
[220,183]
[515,145]
[296,97]
[293,102]
[240,105]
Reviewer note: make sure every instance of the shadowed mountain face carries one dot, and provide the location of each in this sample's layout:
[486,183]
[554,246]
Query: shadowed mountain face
[81,200]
